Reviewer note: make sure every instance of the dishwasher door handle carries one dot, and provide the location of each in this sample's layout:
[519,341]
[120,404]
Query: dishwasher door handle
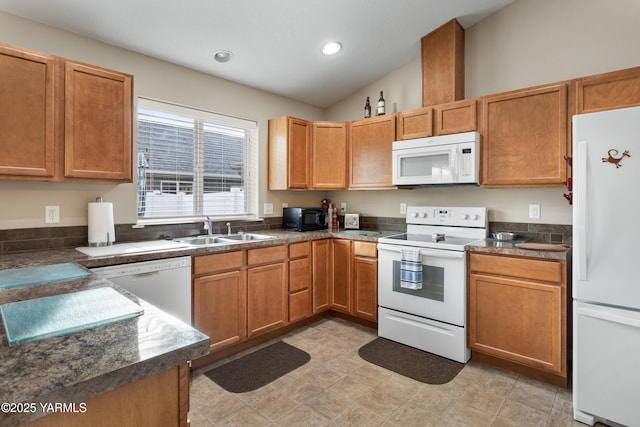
[141,276]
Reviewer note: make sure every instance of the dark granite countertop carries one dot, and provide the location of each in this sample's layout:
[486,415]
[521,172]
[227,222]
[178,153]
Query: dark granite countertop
[76,367]
[509,248]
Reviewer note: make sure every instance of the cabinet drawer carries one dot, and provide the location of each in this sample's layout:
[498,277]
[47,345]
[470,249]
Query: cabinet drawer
[365,249]
[265,255]
[536,269]
[217,262]
[298,250]
[299,274]
[299,305]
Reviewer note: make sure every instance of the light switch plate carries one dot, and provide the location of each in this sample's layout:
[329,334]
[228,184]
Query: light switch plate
[534,211]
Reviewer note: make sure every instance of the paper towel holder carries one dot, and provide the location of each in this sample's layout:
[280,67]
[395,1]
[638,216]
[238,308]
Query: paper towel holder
[102,216]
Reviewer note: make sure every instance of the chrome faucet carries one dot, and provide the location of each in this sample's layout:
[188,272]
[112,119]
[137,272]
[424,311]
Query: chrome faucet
[209,226]
[228,229]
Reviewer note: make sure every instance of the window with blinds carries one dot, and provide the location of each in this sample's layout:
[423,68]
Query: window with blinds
[194,163]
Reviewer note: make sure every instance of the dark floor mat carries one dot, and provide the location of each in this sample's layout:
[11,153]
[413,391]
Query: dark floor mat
[259,368]
[410,362]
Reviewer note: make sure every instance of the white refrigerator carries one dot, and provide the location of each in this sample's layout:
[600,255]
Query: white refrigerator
[606,267]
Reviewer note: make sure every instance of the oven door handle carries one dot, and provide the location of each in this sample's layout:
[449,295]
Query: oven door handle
[436,253]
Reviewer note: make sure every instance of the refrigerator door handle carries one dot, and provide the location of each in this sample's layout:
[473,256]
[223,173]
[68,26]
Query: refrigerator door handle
[629,318]
[580,206]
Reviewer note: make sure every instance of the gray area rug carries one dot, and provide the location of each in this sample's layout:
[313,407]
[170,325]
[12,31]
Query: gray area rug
[257,369]
[410,362]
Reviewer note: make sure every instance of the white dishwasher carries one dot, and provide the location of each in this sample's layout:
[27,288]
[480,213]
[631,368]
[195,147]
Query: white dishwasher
[165,283]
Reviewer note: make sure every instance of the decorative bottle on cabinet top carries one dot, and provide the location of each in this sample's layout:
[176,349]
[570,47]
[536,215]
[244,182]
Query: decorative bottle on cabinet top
[367,109]
[381,105]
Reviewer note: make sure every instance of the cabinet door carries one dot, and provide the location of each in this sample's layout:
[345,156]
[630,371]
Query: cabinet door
[370,143]
[415,124]
[341,275]
[365,281]
[298,162]
[288,153]
[442,54]
[27,114]
[329,156]
[525,138]
[219,308]
[321,274]
[456,117]
[517,320]
[267,298]
[618,89]
[98,123]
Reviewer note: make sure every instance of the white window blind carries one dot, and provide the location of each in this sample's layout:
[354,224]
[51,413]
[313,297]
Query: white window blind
[194,163]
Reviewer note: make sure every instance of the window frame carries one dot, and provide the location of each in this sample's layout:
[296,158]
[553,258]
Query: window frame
[250,164]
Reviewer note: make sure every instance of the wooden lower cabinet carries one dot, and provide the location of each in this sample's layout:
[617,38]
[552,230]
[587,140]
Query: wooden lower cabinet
[518,313]
[365,280]
[161,400]
[299,281]
[320,274]
[341,275]
[267,293]
[354,286]
[220,298]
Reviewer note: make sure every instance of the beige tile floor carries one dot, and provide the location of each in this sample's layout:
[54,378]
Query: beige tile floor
[337,388]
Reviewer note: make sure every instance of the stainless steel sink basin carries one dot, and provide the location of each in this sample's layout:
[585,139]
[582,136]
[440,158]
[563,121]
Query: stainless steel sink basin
[244,237]
[223,239]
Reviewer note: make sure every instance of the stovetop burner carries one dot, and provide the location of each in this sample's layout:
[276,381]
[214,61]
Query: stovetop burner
[441,227]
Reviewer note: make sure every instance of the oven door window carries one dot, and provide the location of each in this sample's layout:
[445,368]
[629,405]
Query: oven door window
[432,282]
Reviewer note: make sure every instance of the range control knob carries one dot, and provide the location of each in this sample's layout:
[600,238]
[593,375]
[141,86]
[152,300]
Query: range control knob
[464,216]
[423,215]
[474,217]
[414,214]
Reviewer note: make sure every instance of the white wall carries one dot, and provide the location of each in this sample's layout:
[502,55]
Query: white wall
[528,43]
[22,203]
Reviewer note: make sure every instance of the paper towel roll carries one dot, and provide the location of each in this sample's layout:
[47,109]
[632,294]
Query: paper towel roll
[101,229]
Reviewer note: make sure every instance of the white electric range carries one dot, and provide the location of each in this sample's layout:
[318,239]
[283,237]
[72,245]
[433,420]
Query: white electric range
[422,293]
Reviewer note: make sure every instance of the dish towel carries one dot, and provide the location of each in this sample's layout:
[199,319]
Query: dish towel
[411,269]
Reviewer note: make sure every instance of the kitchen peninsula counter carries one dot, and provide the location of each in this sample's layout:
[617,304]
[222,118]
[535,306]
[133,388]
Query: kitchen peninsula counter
[74,368]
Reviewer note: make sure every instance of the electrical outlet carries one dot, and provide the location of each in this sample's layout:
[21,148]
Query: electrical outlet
[268,208]
[534,211]
[285,205]
[52,214]
[343,207]
[403,208]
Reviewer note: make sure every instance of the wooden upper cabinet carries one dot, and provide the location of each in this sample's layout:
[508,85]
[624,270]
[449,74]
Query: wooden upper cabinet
[416,123]
[329,156]
[370,143]
[442,53]
[27,114]
[617,89]
[456,117]
[289,149]
[525,137]
[98,117]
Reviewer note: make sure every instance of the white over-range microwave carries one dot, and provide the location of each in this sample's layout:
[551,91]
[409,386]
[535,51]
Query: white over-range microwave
[446,159]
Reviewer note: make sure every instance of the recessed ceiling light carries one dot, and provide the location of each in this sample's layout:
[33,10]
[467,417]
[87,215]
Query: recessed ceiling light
[331,48]
[223,56]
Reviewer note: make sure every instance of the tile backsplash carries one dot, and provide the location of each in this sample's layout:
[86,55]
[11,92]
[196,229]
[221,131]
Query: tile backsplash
[30,239]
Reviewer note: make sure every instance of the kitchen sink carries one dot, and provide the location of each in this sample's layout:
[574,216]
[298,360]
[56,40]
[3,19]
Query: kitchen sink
[223,239]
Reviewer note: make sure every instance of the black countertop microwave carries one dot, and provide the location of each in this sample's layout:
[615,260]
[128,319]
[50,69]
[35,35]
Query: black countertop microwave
[304,219]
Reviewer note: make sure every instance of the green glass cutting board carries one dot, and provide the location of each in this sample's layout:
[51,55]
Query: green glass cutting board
[40,318]
[41,275]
